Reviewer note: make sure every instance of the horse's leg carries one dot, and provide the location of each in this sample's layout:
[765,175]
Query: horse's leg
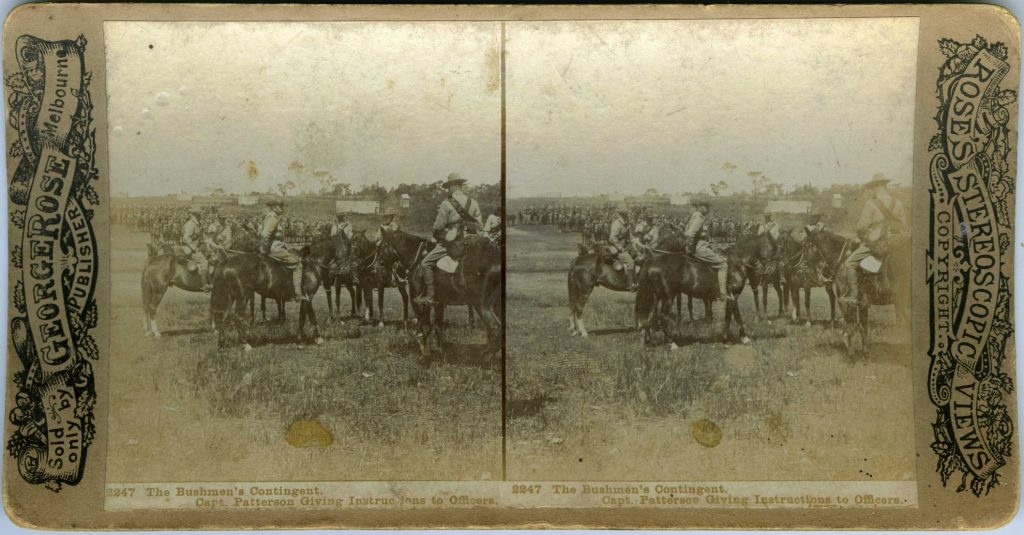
[281,317]
[330,308]
[154,302]
[709,312]
[472,318]
[689,307]
[778,294]
[439,326]
[807,303]
[263,308]
[380,305]
[302,320]
[583,296]
[353,297]
[670,323]
[831,291]
[405,303]
[312,320]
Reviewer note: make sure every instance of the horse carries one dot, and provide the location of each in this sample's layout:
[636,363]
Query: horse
[387,271]
[593,267]
[477,282]
[364,269]
[757,256]
[406,250]
[803,268]
[890,286]
[238,278]
[665,276]
[165,267]
[341,276]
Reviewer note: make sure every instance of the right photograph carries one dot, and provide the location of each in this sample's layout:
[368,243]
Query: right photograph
[708,251]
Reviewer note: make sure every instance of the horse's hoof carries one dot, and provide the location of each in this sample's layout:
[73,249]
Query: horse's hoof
[807,323]
[745,340]
[247,348]
[319,341]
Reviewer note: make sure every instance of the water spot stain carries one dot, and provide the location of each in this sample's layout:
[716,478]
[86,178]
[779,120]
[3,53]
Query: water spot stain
[706,433]
[252,171]
[308,433]
[493,67]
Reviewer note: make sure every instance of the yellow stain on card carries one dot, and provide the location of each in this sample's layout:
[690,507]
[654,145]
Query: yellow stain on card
[252,171]
[706,433]
[308,433]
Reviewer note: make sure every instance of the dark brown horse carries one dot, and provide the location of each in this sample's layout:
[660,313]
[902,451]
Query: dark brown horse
[407,250]
[665,276]
[890,286]
[803,268]
[385,271]
[240,277]
[592,268]
[342,275]
[165,268]
[757,254]
[476,282]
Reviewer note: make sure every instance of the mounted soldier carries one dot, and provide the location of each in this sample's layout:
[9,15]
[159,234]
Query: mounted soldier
[816,224]
[192,239]
[341,226]
[619,239]
[272,246]
[882,217]
[492,227]
[695,242]
[457,214]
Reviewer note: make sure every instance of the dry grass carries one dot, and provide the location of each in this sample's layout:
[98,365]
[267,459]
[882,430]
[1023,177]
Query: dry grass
[182,410]
[791,405]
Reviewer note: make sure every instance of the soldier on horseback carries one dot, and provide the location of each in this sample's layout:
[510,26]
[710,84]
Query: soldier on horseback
[816,224]
[457,214]
[695,243]
[272,246]
[341,226]
[619,238]
[192,239]
[882,216]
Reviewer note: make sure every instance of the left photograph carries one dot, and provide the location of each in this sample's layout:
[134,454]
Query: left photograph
[306,251]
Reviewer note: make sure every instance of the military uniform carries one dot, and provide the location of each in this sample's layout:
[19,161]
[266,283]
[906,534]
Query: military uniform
[191,237]
[272,246]
[618,237]
[446,225]
[492,227]
[695,236]
[342,227]
[771,228]
[881,215]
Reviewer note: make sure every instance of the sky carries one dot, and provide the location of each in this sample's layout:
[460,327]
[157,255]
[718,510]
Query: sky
[247,106]
[620,107]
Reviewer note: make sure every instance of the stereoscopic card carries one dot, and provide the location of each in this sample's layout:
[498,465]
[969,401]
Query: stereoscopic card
[511,266]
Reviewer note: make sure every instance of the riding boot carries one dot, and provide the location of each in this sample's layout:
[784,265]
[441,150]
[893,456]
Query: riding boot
[428,287]
[723,284]
[297,282]
[852,279]
[205,279]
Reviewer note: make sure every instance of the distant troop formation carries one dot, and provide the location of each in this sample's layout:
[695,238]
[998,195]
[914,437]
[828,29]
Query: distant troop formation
[594,221]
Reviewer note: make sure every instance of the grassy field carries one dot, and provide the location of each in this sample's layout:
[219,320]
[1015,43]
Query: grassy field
[182,410]
[789,406]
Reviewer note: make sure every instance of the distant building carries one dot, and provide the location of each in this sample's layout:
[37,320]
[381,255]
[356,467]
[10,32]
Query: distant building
[357,207]
[837,200]
[616,197]
[789,207]
[405,201]
[248,200]
[679,200]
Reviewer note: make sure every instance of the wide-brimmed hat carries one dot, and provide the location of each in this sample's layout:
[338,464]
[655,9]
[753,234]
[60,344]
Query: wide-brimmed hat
[454,179]
[878,180]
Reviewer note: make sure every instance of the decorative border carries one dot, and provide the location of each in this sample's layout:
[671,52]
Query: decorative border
[53,254]
[968,260]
